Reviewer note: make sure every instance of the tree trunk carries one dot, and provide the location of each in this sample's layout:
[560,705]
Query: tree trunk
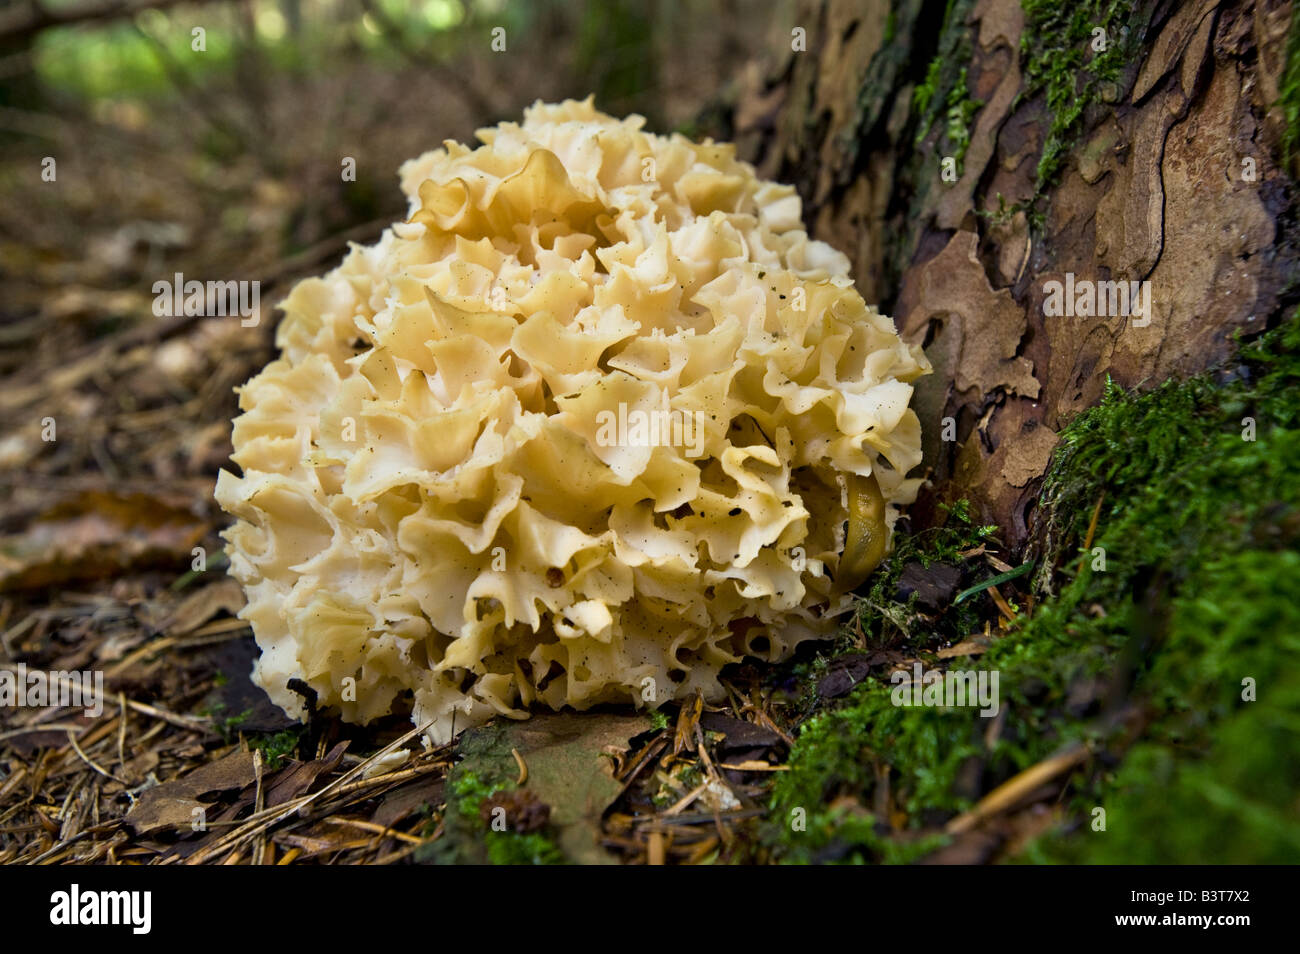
[967,156]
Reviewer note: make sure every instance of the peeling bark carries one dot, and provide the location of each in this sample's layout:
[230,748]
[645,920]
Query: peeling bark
[1173,177]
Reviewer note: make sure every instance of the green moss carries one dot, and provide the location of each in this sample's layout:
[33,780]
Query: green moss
[467,838]
[1289,99]
[514,848]
[1235,800]
[276,746]
[227,726]
[466,792]
[958,107]
[1201,531]
[944,94]
[845,752]
[1058,61]
[882,618]
[924,95]
[961,113]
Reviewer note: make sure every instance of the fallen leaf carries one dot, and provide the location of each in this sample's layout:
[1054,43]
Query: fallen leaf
[969,647]
[742,743]
[97,534]
[1027,457]
[171,805]
[238,696]
[934,585]
[401,802]
[684,732]
[566,769]
[297,778]
[224,596]
[848,670]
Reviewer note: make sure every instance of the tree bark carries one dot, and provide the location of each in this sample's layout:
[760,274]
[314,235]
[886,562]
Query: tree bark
[1161,164]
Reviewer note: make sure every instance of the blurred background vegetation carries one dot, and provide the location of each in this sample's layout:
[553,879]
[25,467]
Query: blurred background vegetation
[225,159]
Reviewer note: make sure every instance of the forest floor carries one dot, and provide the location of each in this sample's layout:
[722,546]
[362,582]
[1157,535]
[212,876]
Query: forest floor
[1146,707]
[1145,712]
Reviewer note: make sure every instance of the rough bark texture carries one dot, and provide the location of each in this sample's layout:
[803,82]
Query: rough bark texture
[1158,162]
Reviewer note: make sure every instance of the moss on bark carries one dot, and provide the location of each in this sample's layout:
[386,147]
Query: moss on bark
[1167,652]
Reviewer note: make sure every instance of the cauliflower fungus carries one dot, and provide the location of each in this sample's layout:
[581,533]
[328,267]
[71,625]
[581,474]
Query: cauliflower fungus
[597,420]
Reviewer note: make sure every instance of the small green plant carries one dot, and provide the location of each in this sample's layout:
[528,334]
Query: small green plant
[276,746]
[227,726]
[944,93]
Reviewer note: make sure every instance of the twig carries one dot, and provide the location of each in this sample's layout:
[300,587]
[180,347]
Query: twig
[1016,787]
[385,831]
[72,738]
[523,768]
[251,827]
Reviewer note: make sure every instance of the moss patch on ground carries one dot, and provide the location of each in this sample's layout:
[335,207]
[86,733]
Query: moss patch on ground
[468,838]
[1167,648]
[477,841]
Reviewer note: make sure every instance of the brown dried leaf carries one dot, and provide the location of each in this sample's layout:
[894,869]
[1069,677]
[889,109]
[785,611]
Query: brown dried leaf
[1027,457]
[171,805]
[297,778]
[98,533]
[567,769]
[225,595]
